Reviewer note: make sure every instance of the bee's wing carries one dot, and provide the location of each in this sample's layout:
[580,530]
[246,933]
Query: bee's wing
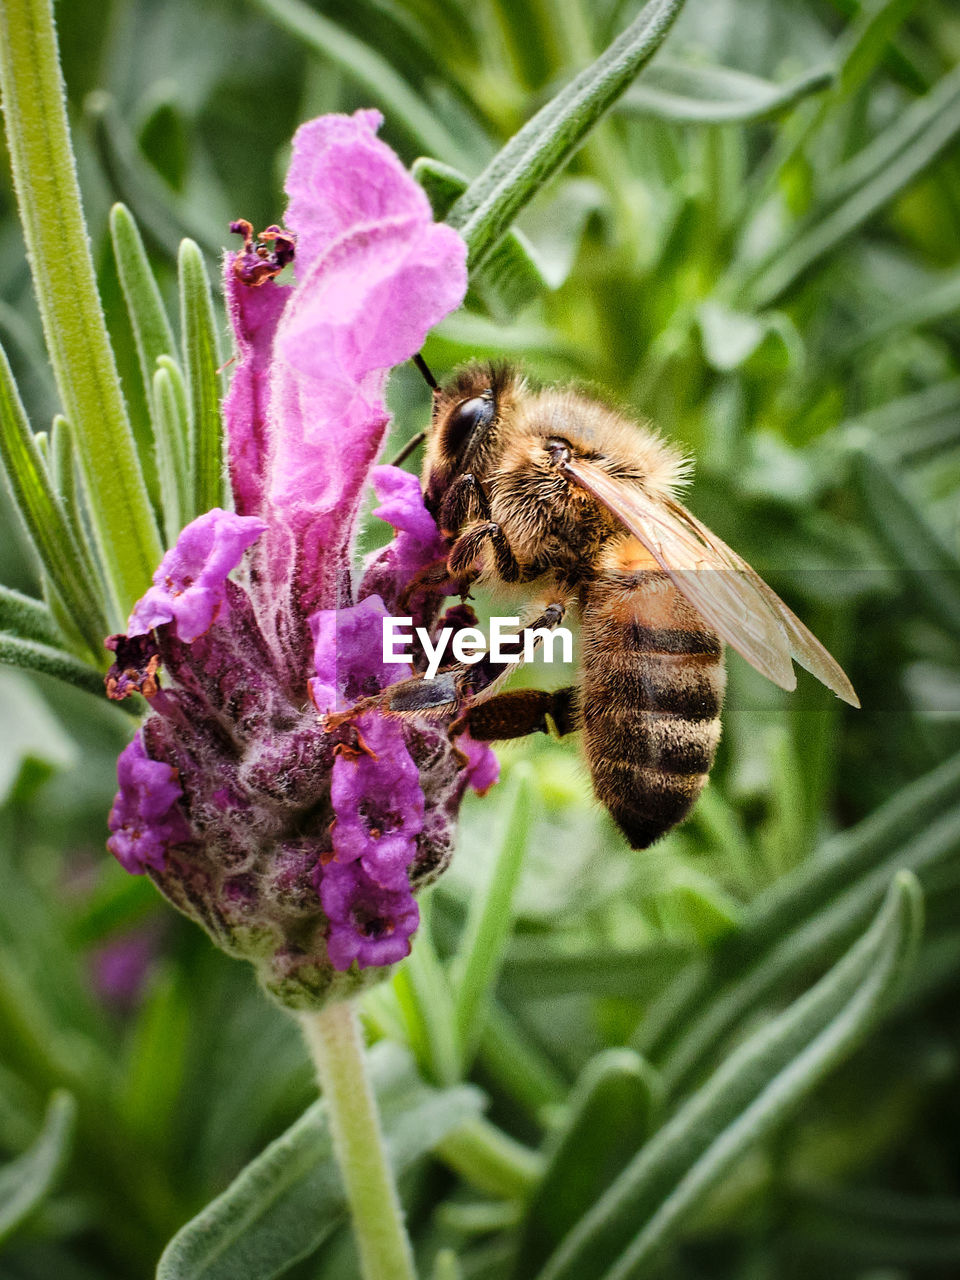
[732,597]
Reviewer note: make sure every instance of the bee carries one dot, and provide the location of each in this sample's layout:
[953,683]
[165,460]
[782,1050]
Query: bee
[553,490]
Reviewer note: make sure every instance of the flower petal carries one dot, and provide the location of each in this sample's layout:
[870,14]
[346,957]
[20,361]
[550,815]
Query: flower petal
[348,655]
[368,923]
[374,274]
[145,818]
[377,802]
[189,587]
[342,177]
[254,314]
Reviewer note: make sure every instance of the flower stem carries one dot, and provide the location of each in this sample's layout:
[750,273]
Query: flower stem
[48,196]
[334,1038]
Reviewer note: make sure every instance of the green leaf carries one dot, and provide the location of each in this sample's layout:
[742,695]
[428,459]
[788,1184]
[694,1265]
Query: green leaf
[755,1090]
[26,618]
[518,1065]
[535,968]
[172,436]
[927,307]
[77,340]
[864,185]
[679,91]
[44,517]
[864,42]
[801,919]
[489,922]
[148,317]
[368,69]
[288,1200]
[800,950]
[63,472]
[446,1266]
[424,997]
[490,1160]
[511,278]
[27,1181]
[909,427]
[485,211]
[164,215]
[201,360]
[611,1116]
[729,337]
[934,572]
[31,655]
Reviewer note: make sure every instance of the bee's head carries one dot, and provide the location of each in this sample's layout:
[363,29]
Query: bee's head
[468,416]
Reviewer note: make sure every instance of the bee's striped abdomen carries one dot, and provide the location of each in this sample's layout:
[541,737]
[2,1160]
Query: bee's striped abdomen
[653,683]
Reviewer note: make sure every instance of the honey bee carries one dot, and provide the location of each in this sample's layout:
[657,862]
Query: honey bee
[556,491]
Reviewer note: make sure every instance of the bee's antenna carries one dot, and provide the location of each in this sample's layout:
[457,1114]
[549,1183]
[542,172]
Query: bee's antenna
[408,448]
[428,377]
[419,438]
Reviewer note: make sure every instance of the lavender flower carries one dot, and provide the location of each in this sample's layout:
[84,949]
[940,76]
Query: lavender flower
[298,847]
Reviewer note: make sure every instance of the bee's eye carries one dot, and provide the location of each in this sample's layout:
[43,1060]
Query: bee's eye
[465,418]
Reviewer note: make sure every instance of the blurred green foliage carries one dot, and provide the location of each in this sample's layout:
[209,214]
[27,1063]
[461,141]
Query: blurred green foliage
[759,250]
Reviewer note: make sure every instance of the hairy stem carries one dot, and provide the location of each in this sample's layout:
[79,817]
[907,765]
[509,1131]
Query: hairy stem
[333,1036]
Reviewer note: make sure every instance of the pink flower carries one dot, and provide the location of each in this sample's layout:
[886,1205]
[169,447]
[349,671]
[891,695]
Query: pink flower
[298,847]
[189,587]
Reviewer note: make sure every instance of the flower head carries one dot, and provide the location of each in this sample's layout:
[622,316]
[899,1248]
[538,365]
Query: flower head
[296,845]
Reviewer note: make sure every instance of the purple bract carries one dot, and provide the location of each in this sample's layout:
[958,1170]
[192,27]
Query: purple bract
[298,847]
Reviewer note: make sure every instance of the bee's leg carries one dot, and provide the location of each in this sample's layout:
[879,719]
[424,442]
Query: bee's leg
[430,578]
[457,688]
[467,548]
[415,696]
[463,502]
[518,712]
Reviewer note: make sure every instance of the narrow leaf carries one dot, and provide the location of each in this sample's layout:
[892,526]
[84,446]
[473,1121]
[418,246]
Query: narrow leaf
[518,1066]
[44,517]
[490,1160]
[611,1116]
[26,618]
[511,277]
[171,437]
[423,994]
[161,211]
[148,318]
[939,302]
[201,360]
[27,1181]
[63,473]
[759,1086]
[912,426]
[288,1200]
[535,969]
[878,1226]
[934,572]
[864,186]
[919,824]
[367,68]
[83,362]
[446,1266]
[798,952]
[679,91]
[30,655]
[489,923]
[487,208]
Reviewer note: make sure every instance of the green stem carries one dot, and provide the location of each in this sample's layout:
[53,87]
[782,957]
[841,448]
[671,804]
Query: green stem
[333,1036]
[48,196]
